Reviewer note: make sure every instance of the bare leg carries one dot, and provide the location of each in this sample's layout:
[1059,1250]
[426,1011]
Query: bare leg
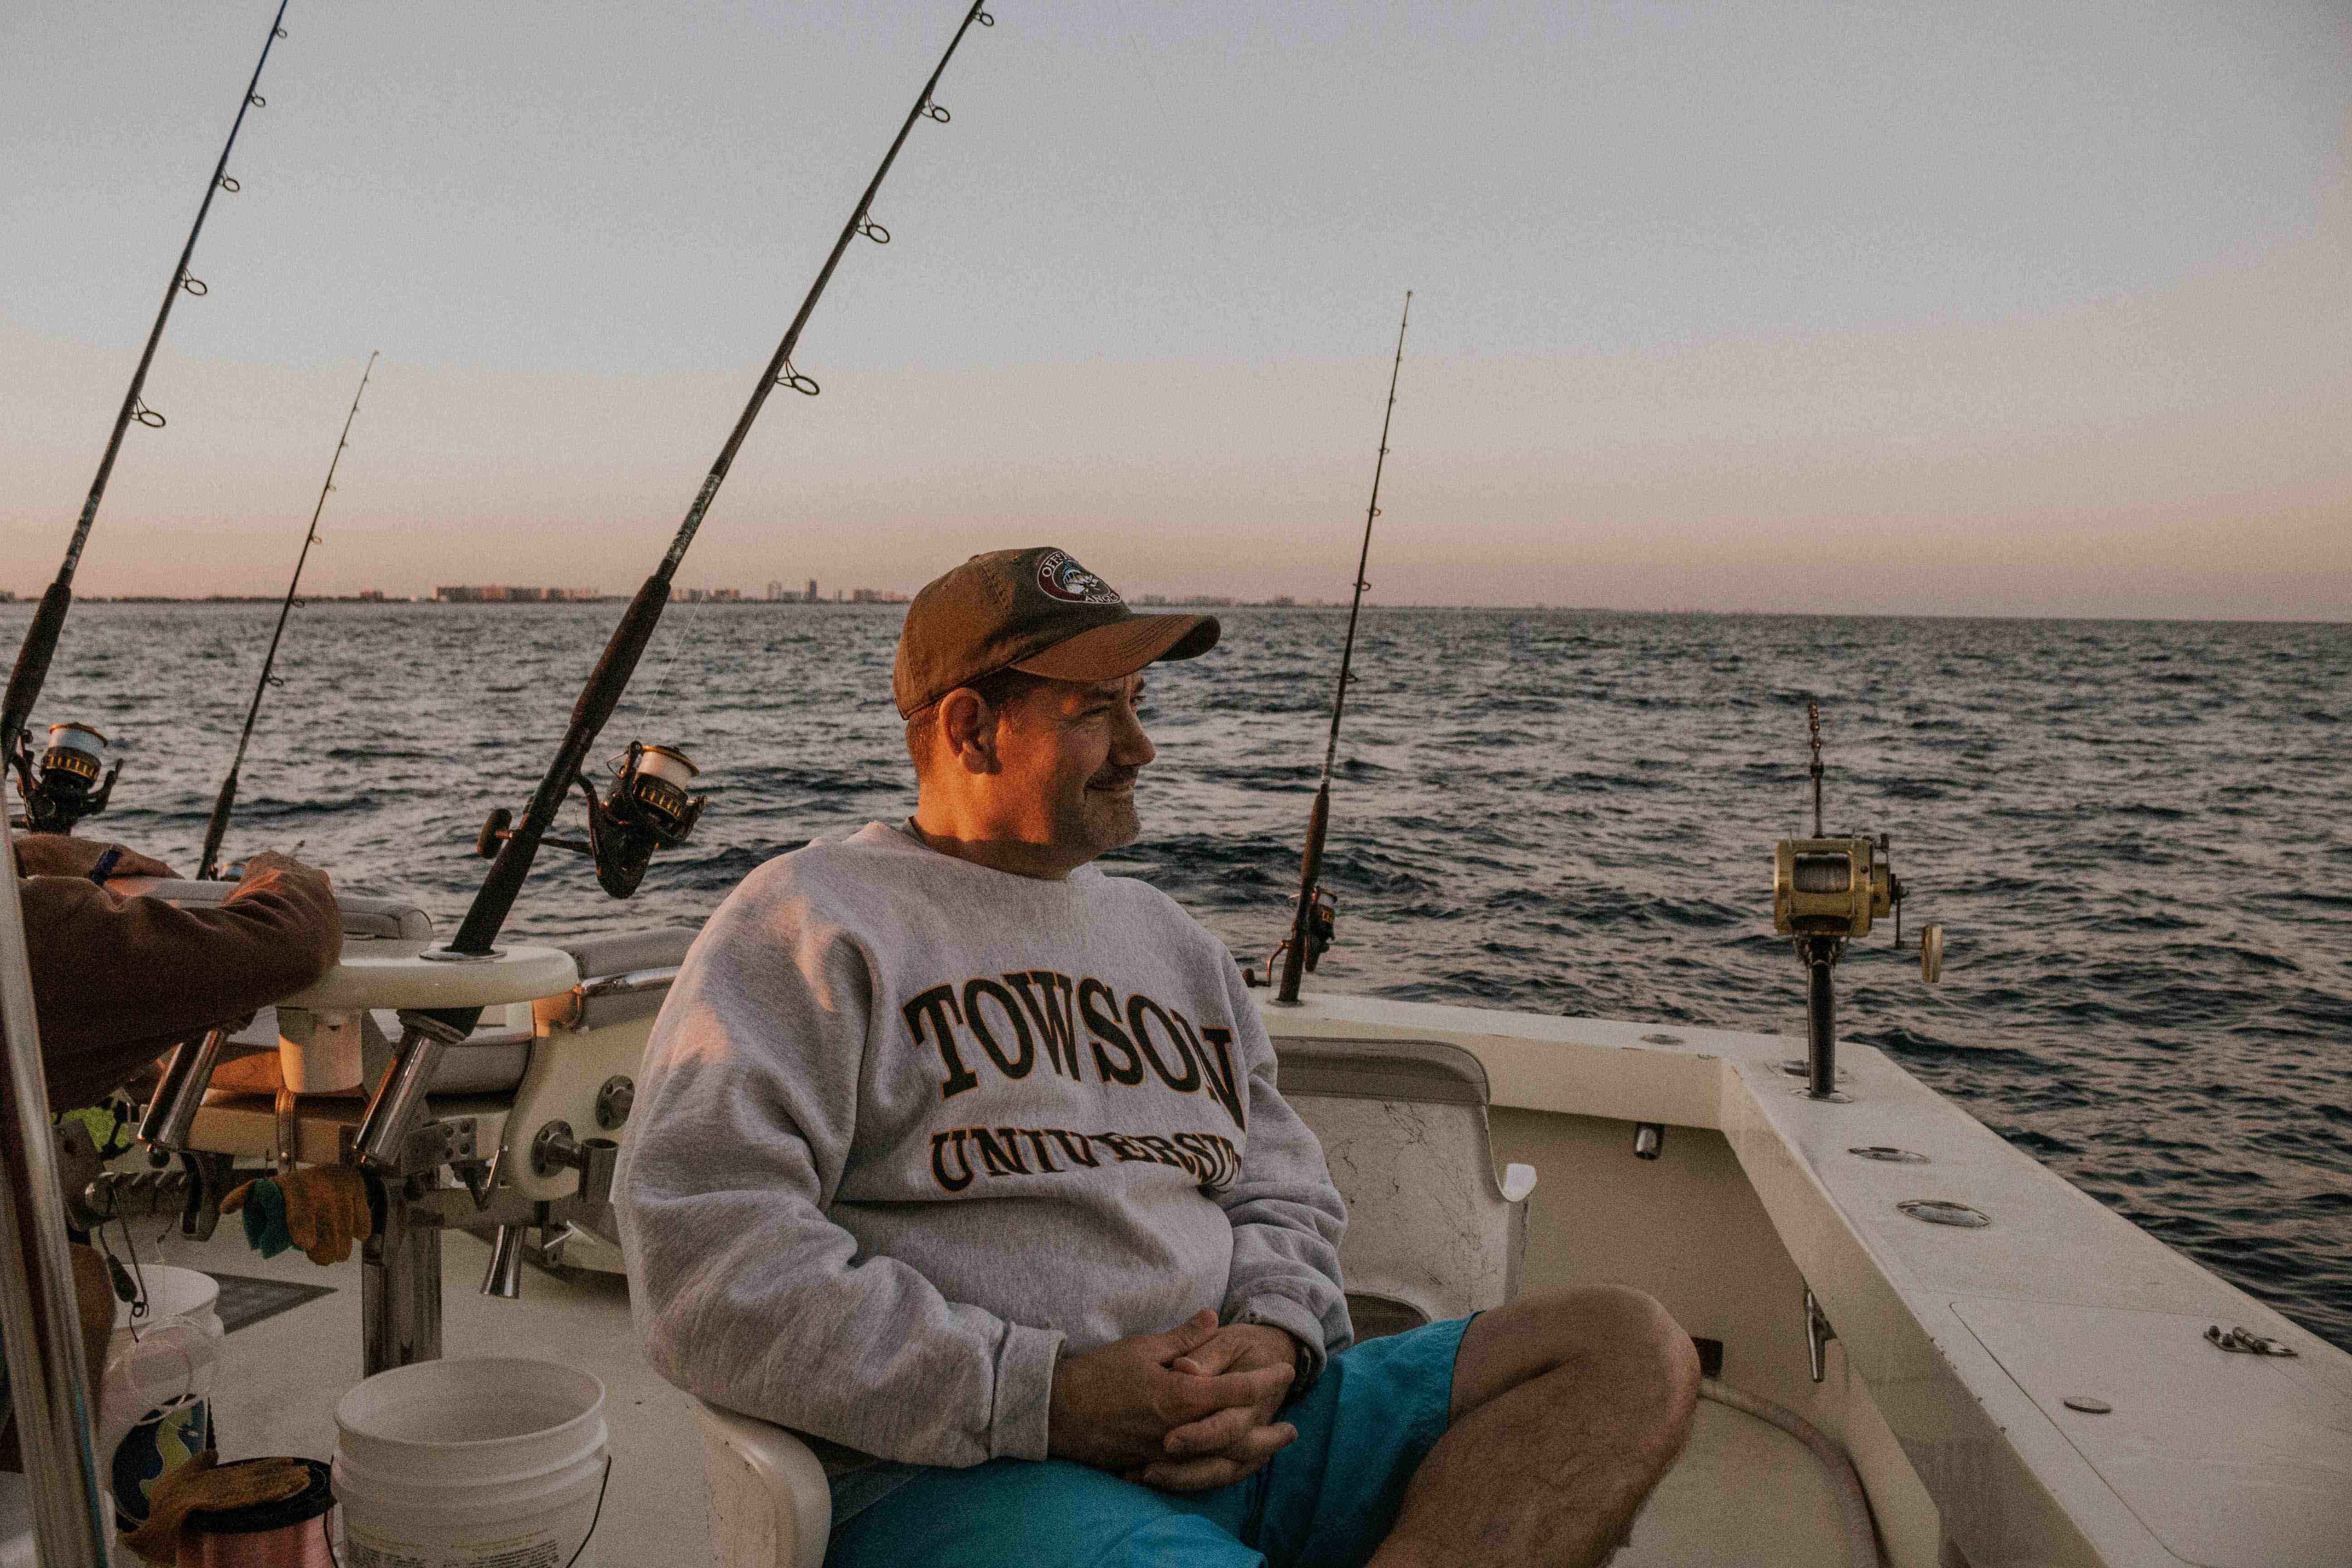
[1568,1408]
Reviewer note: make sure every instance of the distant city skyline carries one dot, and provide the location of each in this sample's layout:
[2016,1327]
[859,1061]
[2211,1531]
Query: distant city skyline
[2004,310]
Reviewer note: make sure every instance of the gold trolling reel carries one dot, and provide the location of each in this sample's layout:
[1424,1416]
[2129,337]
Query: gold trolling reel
[1837,886]
[647,808]
[69,781]
[1827,892]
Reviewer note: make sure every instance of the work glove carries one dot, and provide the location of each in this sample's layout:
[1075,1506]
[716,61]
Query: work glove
[204,1483]
[323,1209]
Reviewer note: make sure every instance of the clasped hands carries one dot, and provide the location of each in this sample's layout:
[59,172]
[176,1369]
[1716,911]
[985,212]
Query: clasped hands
[1187,1410]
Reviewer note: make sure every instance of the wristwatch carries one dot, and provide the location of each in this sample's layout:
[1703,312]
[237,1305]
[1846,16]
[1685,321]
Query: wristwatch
[1303,1369]
[1305,1366]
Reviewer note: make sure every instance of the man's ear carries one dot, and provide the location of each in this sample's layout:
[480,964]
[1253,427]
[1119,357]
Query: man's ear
[968,730]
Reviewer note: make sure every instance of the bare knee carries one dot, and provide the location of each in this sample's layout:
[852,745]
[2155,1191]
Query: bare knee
[1608,1334]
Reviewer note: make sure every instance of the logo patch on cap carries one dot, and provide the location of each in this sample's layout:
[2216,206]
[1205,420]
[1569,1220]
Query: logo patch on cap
[1060,577]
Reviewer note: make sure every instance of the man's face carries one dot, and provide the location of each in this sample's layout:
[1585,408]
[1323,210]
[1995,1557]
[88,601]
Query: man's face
[1068,754]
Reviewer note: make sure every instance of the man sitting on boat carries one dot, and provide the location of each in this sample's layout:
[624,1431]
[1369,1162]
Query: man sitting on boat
[968,1161]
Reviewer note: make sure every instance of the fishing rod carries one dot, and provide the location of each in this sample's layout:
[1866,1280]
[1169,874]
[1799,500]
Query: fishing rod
[208,862]
[1313,923]
[647,807]
[62,787]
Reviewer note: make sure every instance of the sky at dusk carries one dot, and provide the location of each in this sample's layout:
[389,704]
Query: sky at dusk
[2003,309]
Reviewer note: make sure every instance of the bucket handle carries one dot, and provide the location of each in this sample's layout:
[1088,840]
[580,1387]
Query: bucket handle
[594,1519]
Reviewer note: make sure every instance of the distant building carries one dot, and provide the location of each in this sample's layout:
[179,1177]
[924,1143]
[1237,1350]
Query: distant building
[370,596]
[726,596]
[1282,601]
[497,594]
[811,597]
[775,591]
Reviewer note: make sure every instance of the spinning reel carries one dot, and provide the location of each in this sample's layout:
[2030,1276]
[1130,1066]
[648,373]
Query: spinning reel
[647,808]
[69,781]
[1322,926]
[1827,892]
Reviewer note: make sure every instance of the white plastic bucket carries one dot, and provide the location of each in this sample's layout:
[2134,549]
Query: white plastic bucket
[492,1462]
[154,1394]
[175,1292]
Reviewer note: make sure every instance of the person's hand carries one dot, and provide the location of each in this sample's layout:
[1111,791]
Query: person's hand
[63,854]
[1115,1406]
[1221,1449]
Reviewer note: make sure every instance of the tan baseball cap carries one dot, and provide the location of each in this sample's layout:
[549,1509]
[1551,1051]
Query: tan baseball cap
[1034,610]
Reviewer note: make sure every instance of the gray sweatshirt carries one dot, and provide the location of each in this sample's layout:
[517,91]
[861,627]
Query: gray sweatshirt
[908,1128]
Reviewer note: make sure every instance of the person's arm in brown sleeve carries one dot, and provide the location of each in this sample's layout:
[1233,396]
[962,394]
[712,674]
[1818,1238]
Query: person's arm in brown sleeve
[62,855]
[117,981]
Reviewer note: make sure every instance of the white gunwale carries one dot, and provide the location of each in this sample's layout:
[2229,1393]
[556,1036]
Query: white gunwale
[2007,1481]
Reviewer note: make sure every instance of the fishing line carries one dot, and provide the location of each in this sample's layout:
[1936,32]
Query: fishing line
[1313,921]
[694,619]
[207,862]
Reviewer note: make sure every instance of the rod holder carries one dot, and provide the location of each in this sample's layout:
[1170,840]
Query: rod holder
[594,1158]
[398,1103]
[171,1114]
[503,1279]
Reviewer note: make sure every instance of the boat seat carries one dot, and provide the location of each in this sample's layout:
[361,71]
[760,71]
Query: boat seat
[1432,1234]
[623,974]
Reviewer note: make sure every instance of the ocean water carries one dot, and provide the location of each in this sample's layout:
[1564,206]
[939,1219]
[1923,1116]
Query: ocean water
[2138,836]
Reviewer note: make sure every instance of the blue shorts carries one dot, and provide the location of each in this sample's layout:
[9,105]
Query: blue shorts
[1326,1501]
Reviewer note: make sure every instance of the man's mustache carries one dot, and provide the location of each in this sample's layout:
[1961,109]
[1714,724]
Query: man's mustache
[1113,777]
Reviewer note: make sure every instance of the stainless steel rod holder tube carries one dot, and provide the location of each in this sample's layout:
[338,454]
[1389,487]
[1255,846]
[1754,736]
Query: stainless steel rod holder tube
[392,1111]
[170,1115]
[50,1386]
[503,1279]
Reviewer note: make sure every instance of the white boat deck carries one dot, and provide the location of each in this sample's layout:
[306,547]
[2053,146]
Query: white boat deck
[1744,1493]
[279,1380]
